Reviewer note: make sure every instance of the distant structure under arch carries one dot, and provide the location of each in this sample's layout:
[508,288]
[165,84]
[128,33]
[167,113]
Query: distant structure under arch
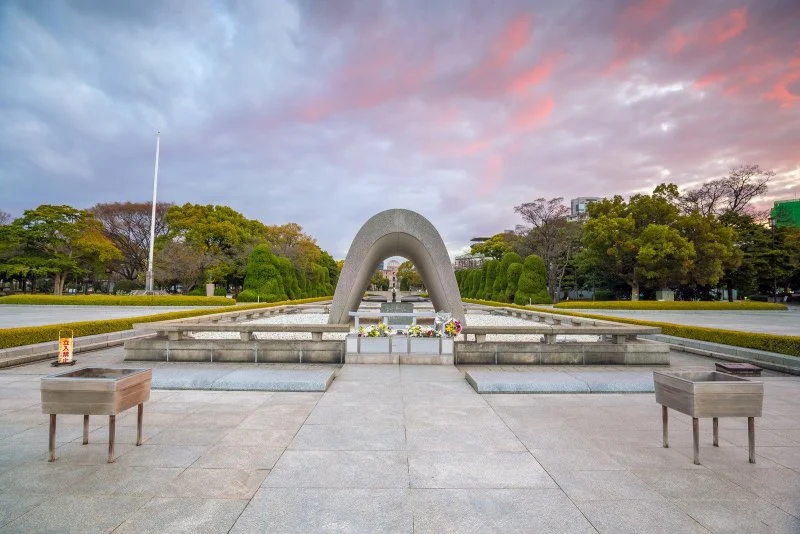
[403,233]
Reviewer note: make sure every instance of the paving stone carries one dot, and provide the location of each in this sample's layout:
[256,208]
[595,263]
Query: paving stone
[619,517]
[238,457]
[495,510]
[269,438]
[75,513]
[780,487]
[14,505]
[462,438]
[326,510]
[340,469]
[148,455]
[275,380]
[214,483]
[349,438]
[184,515]
[739,516]
[692,483]
[113,479]
[564,459]
[476,470]
[603,485]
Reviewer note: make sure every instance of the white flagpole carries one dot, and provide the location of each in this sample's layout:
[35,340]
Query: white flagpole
[149,276]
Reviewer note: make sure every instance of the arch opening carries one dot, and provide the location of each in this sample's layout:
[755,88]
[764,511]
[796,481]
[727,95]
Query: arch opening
[397,233]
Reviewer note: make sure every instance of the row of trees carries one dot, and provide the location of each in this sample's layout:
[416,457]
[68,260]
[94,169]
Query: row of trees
[695,243]
[506,280]
[194,244]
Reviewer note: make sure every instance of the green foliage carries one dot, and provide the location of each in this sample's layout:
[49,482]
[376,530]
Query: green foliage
[602,295]
[408,272]
[247,295]
[496,246]
[501,278]
[789,345]
[490,267]
[532,286]
[263,275]
[512,278]
[667,305]
[14,337]
[116,300]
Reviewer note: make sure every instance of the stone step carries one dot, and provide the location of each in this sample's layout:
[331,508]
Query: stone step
[399,358]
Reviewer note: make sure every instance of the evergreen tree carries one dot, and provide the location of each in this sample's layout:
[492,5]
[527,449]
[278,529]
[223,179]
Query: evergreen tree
[533,283]
[514,272]
[501,279]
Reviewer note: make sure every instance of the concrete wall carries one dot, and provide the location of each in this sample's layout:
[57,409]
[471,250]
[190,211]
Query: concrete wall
[231,350]
[531,353]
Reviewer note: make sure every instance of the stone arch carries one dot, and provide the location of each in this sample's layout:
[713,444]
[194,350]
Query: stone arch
[397,233]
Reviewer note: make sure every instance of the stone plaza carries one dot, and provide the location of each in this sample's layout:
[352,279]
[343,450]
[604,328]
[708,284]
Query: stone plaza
[393,448]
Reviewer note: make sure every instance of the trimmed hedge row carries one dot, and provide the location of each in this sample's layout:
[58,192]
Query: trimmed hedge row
[28,335]
[670,305]
[789,345]
[116,300]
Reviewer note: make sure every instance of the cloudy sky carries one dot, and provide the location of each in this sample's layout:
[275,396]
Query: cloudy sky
[324,112]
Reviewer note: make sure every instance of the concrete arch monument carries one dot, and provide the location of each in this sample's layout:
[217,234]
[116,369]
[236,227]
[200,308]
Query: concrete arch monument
[397,233]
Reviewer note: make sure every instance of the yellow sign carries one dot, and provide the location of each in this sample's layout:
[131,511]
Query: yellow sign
[64,347]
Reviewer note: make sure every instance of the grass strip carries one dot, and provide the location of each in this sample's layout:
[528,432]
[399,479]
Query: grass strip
[116,300]
[782,344]
[670,305]
[29,335]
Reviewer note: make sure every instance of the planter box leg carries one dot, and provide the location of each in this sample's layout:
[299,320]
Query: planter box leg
[665,419]
[52,444]
[696,435]
[751,438]
[139,424]
[715,421]
[112,420]
[85,429]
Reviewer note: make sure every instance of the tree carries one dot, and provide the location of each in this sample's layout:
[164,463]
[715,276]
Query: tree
[408,276]
[5,217]
[713,242]
[501,278]
[636,241]
[59,241]
[222,236]
[127,225]
[263,275]
[491,273]
[380,282]
[495,246]
[550,236]
[178,264]
[532,286]
[513,275]
[731,194]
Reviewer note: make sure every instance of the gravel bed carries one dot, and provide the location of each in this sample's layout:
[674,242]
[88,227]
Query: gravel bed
[322,318]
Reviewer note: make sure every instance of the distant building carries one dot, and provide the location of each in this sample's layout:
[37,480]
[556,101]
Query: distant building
[468,261]
[579,207]
[786,213]
[389,271]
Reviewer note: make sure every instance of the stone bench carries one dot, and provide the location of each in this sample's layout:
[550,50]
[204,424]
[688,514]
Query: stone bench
[618,333]
[176,332]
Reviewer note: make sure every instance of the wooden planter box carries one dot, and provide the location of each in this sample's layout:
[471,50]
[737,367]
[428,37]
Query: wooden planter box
[709,394]
[95,391]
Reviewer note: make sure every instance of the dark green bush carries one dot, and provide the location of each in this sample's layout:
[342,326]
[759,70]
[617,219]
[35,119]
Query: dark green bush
[117,300]
[532,286]
[670,305]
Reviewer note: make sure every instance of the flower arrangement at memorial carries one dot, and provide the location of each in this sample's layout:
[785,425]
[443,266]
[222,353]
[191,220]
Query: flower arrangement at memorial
[452,328]
[379,330]
[417,331]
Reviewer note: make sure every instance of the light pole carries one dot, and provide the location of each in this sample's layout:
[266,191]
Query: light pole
[149,275]
[772,263]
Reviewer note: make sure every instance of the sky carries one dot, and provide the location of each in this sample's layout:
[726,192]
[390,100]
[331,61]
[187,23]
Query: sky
[327,112]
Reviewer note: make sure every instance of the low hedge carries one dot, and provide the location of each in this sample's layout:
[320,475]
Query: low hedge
[116,300]
[669,305]
[789,345]
[28,335]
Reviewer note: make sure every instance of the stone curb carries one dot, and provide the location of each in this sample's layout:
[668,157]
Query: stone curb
[767,360]
[44,351]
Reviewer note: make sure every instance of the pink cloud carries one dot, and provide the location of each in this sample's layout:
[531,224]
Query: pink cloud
[644,10]
[535,75]
[728,26]
[534,115]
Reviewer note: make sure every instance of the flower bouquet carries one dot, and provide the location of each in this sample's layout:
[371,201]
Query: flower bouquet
[417,331]
[379,330]
[452,328]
